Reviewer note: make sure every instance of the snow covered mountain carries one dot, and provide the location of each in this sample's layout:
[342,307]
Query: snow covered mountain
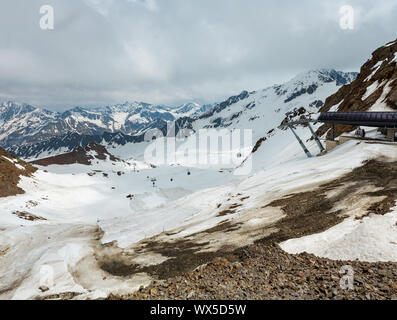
[23,125]
[261,111]
[107,228]
[192,109]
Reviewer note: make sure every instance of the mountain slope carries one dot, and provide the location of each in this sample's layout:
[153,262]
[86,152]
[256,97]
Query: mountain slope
[375,88]
[85,156]
[11,170]
[264,110]
[25,123]
[261,112]
[113,234]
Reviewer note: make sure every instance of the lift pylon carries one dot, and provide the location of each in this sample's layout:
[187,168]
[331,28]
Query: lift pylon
[309,155]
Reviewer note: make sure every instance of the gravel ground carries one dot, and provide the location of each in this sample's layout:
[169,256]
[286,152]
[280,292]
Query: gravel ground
[264,271]
[267,272]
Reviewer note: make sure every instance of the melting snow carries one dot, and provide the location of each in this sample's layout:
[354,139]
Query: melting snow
[10,160]
[372,239]
[370,90]
[380,104]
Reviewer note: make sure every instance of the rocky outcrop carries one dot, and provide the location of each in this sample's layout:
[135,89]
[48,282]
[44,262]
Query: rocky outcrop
[375,88]
[71,141]
[80,155]
[268,273]
[11,169]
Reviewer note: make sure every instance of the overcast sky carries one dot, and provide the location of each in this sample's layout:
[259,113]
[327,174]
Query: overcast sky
[172,51]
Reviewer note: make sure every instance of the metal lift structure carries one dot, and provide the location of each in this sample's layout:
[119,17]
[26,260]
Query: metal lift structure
[305,122]
[383,120]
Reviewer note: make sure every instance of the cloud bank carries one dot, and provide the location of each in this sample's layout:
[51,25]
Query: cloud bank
[110,51]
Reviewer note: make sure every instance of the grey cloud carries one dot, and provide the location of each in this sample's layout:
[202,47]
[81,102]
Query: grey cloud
[107,51]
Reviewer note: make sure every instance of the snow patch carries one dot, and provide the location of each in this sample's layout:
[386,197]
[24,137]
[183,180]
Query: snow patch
[370,90]
[380,105]
[373,239]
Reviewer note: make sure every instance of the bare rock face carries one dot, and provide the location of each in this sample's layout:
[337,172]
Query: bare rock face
[375,88]
[80,155]
[11,169]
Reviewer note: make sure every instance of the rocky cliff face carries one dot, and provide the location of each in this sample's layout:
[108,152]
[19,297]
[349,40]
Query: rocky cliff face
[11,169]
[375,88]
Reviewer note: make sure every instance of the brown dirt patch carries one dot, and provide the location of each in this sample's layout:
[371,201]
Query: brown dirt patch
[10,174]
[312,212]
[28,216]
[4,250]
[306,213]
[79,155]
[226,213]
[183,255]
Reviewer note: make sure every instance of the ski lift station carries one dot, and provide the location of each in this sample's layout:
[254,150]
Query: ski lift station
[386,122]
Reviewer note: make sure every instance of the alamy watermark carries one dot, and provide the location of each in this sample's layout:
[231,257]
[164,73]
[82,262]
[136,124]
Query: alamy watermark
[347,17]
[347,280]
[47,20]
[225,148]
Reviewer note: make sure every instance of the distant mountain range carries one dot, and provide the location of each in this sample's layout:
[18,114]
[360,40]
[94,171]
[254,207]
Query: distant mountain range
[23,124]
[31,132]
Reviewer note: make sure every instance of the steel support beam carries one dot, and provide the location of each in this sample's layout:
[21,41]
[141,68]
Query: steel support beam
[320,145]
[309,155]
[391,133]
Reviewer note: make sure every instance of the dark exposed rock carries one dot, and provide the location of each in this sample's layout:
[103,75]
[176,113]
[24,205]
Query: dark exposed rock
[79,155]
[310,90]
[382,67]
[268,273]
[10,173]
[262,270]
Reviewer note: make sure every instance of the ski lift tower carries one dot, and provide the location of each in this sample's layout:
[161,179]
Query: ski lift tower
[291,125]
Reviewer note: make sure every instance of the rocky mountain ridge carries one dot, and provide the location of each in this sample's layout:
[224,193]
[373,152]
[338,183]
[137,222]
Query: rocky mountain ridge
[44,135]
[375,88]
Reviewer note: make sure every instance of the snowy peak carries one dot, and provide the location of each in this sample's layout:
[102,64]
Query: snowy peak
[325,76]
[225,104]
[192,109]
[187,109]
[128,107]
[23,124]
[11,110]
[34,132]
[309,82]
[251,109]
[128,118]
